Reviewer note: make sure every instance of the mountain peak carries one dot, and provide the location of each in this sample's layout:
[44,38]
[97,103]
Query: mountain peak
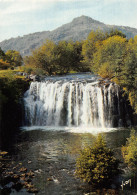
[76,30]
[85,19]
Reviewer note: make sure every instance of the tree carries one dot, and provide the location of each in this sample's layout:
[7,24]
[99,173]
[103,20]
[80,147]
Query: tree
[44,57]
[4,65]
[14,58]
[129,151]
[109,55]
[57,58]
[2,54]
[90,45]
[97,165]
[115,32]
[128,75]
[69,56]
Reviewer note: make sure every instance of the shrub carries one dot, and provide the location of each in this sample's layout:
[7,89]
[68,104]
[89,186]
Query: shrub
[129,151]
[97,165]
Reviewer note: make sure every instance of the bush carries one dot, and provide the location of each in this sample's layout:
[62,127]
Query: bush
[129,151]
[97,165]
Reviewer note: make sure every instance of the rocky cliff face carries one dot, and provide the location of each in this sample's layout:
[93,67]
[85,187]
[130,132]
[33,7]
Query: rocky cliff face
[76,30]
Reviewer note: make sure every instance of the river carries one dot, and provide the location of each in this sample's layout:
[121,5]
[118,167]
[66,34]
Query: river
[51,155]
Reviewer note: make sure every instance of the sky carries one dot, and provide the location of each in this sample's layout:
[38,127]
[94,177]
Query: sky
[21,17]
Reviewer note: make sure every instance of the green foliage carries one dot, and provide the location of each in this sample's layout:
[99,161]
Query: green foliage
[12,86]
[112,56]
[97,165]
[90,45]
[10,59]
[44,58]
[111,53]
[57,58]
[4,65]
[129,151]
[14,58]
[2,54]
[114,32]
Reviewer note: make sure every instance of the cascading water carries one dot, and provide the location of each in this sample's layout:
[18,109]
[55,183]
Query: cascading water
[74,101]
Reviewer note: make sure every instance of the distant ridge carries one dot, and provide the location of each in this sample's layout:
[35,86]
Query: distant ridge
[76,30]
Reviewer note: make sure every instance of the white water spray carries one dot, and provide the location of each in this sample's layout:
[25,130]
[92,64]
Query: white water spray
[71,103]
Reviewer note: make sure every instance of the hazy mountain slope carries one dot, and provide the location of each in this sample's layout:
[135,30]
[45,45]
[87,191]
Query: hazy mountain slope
[26,43]
[76,30]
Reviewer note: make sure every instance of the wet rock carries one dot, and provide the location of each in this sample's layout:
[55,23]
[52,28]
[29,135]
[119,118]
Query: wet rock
[49,179]
[10,173]
[38,171]
[34,77]
[29,185]
[22,178]
[16,176]
[30,174]
[23,175]
[18,186]
[23,169]
[9,185]
[32,190]
[28,180]
[7,179]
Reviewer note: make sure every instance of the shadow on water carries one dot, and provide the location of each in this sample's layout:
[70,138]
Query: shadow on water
[8,139]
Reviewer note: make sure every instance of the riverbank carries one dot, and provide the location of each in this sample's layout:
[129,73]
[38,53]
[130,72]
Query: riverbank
[12,89]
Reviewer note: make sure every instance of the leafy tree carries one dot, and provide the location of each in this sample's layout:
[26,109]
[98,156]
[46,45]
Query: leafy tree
[44,57]
[94,43]
[14,58]
[128,75]
[90,45]
[129,151]
[57,58]
[2,54]
[97,165]
[109,55]
[69,56]
[4,64]
[115,32]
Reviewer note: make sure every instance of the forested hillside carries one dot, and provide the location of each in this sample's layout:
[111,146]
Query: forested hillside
[76,30]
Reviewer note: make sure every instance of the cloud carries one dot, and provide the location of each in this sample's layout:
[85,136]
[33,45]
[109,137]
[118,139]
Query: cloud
[15,7]
[25,16]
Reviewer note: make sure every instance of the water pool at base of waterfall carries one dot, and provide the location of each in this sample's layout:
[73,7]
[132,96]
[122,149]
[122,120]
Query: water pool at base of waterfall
[51,155]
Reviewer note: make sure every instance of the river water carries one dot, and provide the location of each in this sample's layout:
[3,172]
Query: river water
[51,155]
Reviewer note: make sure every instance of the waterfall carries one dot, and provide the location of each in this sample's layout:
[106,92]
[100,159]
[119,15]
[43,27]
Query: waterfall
[73,102]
